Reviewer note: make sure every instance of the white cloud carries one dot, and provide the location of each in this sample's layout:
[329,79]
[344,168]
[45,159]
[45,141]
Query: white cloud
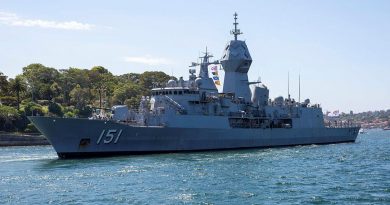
[12,19]
[148,60]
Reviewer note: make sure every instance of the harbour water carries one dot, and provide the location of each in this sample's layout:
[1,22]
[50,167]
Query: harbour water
[350,173]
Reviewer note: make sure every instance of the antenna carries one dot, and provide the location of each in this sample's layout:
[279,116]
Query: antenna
[236,31]
[207,55]
[299,85]
[288,84]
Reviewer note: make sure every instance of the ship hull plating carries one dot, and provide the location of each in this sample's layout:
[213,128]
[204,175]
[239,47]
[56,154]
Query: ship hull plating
[83,137]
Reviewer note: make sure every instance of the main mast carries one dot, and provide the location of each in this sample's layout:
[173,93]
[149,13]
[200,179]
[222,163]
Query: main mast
[236,31]
[236,62]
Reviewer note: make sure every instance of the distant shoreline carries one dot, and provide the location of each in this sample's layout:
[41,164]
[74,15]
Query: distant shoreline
[18,139]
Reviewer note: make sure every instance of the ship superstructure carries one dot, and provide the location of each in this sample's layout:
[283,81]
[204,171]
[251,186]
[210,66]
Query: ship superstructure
[242,104]
[191,115]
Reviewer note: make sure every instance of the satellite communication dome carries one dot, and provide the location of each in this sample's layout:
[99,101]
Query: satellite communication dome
[198,81]
[171,83]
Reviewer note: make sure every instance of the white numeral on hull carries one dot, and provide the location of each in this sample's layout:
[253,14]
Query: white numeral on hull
[110,136]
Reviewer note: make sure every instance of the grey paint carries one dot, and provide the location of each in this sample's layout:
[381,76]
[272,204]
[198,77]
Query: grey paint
[190,115]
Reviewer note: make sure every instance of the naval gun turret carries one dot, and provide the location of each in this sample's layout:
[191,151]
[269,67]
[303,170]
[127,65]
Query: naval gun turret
[236,61]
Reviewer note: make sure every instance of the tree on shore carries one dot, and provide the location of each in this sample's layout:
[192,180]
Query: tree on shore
[40,78]
[72,92]
[8,116]
[102,83]
[3,84]
[17,86]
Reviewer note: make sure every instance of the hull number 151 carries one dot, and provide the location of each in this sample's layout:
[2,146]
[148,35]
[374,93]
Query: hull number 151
[109,136]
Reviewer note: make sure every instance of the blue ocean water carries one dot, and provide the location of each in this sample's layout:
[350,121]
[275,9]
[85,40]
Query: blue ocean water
[350,173]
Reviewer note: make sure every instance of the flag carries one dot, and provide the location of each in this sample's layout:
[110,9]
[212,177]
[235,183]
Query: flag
[214,71]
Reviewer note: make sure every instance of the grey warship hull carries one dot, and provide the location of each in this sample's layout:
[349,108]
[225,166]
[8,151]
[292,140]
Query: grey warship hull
[83,137]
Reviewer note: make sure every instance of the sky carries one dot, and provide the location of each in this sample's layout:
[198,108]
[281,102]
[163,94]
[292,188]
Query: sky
[341,49]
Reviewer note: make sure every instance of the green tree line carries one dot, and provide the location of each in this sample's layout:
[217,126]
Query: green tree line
[73,92]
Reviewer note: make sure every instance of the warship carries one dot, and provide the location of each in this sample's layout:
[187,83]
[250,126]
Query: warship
[191,115]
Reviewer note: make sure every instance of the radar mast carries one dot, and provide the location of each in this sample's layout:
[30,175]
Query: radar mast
[236,31]
[204,63]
